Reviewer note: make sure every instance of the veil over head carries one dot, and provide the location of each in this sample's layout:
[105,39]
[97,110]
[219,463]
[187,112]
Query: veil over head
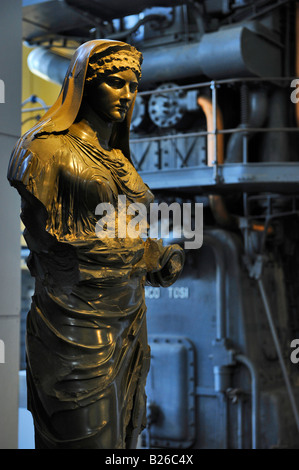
[64,111]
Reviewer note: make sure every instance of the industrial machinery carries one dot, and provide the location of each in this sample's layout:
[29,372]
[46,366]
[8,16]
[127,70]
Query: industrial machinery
[216,122]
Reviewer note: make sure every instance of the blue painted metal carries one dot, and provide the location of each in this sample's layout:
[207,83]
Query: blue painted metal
[216,306]
[172,373]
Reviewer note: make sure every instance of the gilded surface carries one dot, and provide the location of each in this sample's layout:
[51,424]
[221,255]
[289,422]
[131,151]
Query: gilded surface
[86,340]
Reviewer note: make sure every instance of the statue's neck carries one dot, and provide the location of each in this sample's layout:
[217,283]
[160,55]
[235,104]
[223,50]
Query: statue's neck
[92,127]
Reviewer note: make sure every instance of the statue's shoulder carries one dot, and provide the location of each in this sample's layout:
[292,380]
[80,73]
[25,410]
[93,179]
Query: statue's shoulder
[34,153]
[45,145]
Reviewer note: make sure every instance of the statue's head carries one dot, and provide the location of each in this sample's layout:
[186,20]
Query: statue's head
[93,65]
[111,81]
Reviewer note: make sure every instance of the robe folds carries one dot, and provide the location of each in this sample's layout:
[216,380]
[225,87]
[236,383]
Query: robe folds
[86,341]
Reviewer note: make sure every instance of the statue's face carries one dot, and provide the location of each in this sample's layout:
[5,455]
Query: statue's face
[112,96]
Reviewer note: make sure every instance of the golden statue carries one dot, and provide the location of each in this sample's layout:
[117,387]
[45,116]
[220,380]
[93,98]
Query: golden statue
[86,340]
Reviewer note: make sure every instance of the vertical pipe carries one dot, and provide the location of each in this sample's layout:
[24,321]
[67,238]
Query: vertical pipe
[254,398]
[240,423]
[215,142]
[214,105]
[244,123]
[245,148]
[220,287]
[215,153]
[224,416]
[244,119]
[278,350]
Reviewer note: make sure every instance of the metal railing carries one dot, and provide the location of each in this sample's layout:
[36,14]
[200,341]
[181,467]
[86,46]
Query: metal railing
[214,85]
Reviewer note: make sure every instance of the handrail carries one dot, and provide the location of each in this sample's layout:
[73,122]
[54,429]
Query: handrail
[207,133]
[216,82]
[213,85]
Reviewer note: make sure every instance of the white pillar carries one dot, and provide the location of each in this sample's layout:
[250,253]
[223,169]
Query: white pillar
[10,273]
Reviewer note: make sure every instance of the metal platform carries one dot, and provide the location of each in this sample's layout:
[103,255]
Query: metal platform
[250,177]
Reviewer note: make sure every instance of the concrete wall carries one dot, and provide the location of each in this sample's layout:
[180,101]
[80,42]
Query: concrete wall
[10,273]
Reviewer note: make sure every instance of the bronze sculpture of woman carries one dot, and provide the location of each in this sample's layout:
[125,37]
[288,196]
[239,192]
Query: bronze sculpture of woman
[86,340]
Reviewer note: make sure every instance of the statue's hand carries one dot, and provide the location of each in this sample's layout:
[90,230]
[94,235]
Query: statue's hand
[168,268]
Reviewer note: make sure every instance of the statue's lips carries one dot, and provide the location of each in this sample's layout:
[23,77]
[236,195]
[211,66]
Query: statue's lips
[123,109]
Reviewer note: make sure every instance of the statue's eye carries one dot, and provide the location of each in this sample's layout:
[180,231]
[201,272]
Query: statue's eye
[133,87]
[115,82]
[118,83]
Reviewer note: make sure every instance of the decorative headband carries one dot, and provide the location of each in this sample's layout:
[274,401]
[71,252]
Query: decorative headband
[115,62]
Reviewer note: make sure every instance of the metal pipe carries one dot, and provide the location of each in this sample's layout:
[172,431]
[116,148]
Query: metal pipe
[240,423]
[123,35]
[218,156]
[38,108]
[276,146]
[278,350]
[34,99]
[261,130]
[217,248]
[215,154]
[251,119]
[116,9]
[244,120]
[254,398]
[225,426]
[214,120]
[48,65]
[221,54]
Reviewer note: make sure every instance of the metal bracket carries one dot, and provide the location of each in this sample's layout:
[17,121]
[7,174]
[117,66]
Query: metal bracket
[223,354]
[255,268]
